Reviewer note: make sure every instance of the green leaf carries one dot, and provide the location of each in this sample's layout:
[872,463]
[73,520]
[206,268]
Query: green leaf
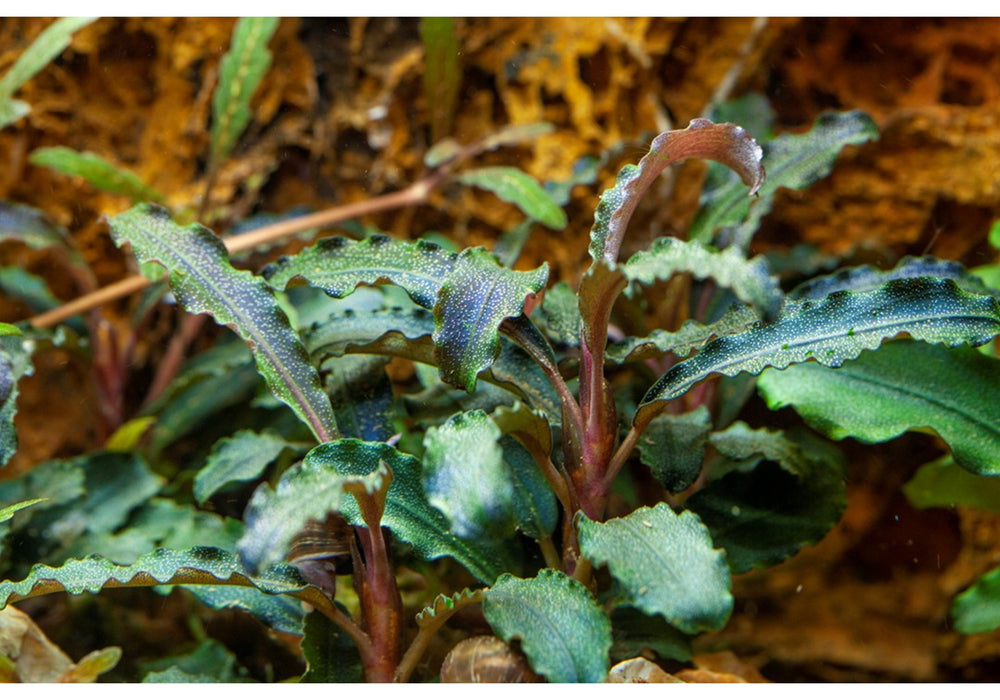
[242,457]
[362,396]
[792,161]
[673,447]
[563,632]
[338,265]
[15,363]
[745,447]
[763,516]
[330,655]
[750,280]
[943,484]
[977,610]
[634,632]
[560,312]
[240,72]
[442,74]
[685,340]
[19,222]
[48,484]
[95,170]
[7,512]
[207,565]
[517,187]
[534,504]
[205,282]
[209,662]
[465,477]
[665,564]
[836,329]
[904,386]
[726,143]
[280,613]
[49,44]
[472,303]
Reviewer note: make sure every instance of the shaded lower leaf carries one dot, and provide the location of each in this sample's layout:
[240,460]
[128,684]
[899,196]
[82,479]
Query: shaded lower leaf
[634,632]
[331,656]
[280,613]
[943,484]
[209,662]
[563,632]
[977,609]
[673,447]
[665,564]
[903,386]
[242,457]
[534,505]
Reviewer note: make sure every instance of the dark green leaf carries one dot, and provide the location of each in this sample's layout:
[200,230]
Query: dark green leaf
[278,612]
[240,72]
[477,296]
[665,564]
[330,655]
[745,447]
[535,507]
[563,632]
[634,632]
[95,170]
[836,329]
[517,187]
[685,340]
[977,610]
[560,312]
[242,457]
[673,447]
[904,386]
[209,662]
[943,484]
[204,281]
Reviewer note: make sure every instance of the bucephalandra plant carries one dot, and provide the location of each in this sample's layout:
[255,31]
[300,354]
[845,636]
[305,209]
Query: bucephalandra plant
[516,446]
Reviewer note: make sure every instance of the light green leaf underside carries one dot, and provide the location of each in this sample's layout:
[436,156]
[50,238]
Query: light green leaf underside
[95,170]
[517,187]
[836,329]
[904,386]
[205,282]
[665,564]
[750,280]
[562,631]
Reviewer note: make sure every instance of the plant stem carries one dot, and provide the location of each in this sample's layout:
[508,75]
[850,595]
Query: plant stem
[620,456]
[381,603]
[550,553]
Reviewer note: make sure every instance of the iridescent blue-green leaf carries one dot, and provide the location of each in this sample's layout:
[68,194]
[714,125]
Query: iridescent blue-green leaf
[362,396]
[836,329]
[520,189]
[977,609]
[204,282]
[240,72]
[408,514]
[563,632]
[726,143]
[330,655]
[904,386]
[673,447]
[242,457]
[944,484]
[338,265]
[465,477]
[278,612]
[750,280]
[472,303]
[665,564]
[793,161]
[97,171]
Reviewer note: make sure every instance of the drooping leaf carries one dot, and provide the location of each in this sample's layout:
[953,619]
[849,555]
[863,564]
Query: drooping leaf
[904,386]
[836,329]
[517,187]
[562,631]
[240,72]
[465,477]
[95,170]
[338,265]
[943,484]
[442,74]
[330,655]
[472,303]
[791,161]
[673,447]
[727,143]
[977,609]
[242,457]
[205,282]
[749,280]
[664,563]
[50,43]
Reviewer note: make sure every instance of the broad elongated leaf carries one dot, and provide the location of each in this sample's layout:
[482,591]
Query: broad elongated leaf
[665,564]
[562,631]
[977,609]
[472,303]
[836,329]
[673,447]
[205,282]
[517,187]
[240,72]
[792,161]
[361,393]
[904,386]
[726,143]
[242,457]
[204,565]
[95,170]
[278,612]
[465,477]
[745,447]
[338,265]
[408,514]
[750,280]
